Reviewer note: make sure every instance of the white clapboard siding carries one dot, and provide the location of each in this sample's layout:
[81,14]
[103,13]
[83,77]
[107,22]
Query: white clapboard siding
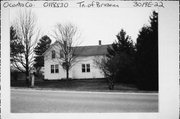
[75,72]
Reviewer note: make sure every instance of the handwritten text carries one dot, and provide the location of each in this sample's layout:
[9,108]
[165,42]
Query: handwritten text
[83,4]
[18,4]
[148,4]
[56,4]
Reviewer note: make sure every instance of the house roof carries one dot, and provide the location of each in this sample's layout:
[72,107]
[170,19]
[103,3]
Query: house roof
[91,50]
[52,45]
[86,50]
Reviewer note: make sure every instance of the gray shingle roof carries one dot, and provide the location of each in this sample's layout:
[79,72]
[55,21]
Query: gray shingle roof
[86,50]
[91,50]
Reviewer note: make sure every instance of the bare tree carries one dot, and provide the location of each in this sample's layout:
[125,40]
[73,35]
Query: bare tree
[25,25]
[67,36]
[108,68]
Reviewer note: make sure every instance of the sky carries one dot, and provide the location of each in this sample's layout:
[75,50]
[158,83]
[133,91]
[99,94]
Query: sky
[93,24]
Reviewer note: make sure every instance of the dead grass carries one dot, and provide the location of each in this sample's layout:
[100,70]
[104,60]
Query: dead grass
[77,85]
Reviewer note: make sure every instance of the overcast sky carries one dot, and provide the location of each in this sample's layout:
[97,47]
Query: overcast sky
[94,24]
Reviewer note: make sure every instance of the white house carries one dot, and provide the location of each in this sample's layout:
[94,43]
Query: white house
[85,68]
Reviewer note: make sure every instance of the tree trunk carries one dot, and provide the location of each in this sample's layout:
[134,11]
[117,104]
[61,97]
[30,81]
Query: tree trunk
[32,80]
[27,77]
[27,72]
[111,83]
[67,74]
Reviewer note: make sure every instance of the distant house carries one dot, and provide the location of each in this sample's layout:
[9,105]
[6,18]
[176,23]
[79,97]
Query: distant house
[83,69]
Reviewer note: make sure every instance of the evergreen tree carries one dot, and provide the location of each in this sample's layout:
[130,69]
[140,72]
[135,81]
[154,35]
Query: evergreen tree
[16,50]
[42,46]
[123,44]
[16,45]
[118,65]
[122,54]
[147,55]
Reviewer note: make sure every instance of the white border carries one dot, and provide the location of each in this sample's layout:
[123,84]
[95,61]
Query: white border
[168,71]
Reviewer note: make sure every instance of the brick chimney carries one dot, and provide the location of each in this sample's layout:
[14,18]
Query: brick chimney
[99,42]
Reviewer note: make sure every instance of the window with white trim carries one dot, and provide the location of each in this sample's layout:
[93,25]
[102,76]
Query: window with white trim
[83,67]
[55,68]
[52,68]
[86,68]
[53,54]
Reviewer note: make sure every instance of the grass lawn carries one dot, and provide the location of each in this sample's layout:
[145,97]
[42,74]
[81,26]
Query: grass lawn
[77,85]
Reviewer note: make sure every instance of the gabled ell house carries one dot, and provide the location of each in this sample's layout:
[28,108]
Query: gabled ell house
[85,68]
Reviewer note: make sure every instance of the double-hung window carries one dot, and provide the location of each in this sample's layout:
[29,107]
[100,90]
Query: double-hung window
[85,68]
[52,68]
[88,67]
[55,68]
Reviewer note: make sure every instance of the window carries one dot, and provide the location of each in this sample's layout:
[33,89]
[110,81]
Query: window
[88,67]
[85,67]
[55,68]
[61,54]
[52,68]
[53,54]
